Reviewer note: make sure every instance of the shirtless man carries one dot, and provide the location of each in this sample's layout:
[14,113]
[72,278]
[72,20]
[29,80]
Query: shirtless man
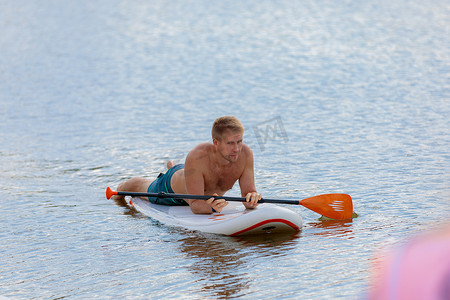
[209,169]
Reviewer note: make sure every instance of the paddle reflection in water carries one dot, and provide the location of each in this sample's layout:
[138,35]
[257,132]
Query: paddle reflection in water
[335,228]
[223,264]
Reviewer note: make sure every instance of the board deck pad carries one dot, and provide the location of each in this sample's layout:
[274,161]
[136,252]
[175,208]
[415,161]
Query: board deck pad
[234,220]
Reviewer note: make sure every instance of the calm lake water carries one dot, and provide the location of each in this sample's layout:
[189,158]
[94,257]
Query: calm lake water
[348,96]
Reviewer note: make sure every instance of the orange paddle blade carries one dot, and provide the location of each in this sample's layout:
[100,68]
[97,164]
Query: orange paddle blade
[334,206]
[110,193]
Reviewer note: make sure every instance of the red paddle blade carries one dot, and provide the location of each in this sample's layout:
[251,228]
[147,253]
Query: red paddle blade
[110,193]
[334,206]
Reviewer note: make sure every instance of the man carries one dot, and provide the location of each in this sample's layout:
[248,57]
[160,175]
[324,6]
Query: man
[209,169]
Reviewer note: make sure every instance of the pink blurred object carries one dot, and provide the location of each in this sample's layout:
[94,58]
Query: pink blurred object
[419,269]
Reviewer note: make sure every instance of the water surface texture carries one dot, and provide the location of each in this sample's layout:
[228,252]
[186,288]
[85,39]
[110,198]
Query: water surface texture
[348,96]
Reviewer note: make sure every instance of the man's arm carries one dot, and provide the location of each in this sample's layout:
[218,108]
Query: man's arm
[247,181]
[195,185]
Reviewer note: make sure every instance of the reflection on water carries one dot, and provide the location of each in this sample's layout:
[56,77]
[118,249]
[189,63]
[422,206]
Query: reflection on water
[343,228]
[217,265]
[221,263]
[128,209]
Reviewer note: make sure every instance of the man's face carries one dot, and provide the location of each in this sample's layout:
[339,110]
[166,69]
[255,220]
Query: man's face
[230,145]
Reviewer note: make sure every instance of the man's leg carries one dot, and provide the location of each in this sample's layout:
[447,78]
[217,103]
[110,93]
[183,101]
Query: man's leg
[135,184]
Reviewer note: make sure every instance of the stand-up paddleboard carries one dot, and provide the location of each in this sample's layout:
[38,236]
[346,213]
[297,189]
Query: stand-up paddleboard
[234,220]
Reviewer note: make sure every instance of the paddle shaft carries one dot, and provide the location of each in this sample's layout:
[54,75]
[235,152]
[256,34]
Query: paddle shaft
[199,197]
[334,206]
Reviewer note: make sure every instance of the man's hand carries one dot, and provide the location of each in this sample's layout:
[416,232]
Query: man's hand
[217,204]
[252,200]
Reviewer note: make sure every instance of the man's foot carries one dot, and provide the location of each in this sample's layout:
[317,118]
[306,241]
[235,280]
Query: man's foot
[170,164]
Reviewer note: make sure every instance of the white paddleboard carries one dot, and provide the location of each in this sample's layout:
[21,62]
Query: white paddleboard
[234,220]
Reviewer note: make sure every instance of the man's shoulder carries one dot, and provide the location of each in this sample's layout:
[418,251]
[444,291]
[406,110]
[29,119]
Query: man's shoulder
[201,150]
[203,147]
[247,150]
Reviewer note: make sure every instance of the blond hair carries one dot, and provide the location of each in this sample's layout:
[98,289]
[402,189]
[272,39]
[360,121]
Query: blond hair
[226,123]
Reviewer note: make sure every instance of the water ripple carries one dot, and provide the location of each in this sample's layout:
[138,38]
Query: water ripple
[91,98]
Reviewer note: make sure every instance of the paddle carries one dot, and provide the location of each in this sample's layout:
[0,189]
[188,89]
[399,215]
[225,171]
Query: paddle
[334,206]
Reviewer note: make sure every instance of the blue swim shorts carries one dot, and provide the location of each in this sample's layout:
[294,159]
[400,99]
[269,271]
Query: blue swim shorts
[162,184]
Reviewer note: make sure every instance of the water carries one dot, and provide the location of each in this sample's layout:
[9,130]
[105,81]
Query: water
[94,92]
